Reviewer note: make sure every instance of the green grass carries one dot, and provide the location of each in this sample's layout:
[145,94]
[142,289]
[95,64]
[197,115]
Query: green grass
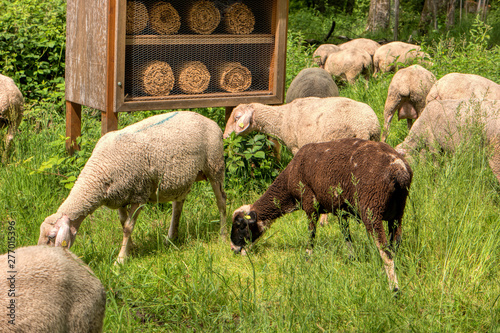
[447,265]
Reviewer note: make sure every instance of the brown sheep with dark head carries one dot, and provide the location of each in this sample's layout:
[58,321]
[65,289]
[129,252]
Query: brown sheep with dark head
[366,178]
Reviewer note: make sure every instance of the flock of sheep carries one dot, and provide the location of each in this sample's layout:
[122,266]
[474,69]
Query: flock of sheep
[340,163]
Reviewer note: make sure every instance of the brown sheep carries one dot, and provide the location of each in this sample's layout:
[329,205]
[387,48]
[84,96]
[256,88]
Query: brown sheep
[463,86]
[407,93]
[401,53]
[442,125]
[11,111]
[50,290]
[348,64]
[365,178]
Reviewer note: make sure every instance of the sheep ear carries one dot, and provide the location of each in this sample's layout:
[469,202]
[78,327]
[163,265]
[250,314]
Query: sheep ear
[66,233]
[244,122]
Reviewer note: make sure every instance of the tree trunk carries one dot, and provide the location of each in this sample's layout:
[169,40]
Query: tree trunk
[396,19]
[379,15]
[450,14]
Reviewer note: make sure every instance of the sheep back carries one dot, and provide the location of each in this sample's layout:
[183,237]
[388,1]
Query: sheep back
[366,44]
[310,120]
[154,160]
[312,82]
[464,86]
[54,292]
[11,101]
[348,64]
[404,53]
[322,52]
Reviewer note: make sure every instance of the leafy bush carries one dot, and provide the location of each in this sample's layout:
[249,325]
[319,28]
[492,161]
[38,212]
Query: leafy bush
[32,47]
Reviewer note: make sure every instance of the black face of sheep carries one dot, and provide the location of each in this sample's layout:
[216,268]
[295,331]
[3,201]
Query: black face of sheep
[244,230]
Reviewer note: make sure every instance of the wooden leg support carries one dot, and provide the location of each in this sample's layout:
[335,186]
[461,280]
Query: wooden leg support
[73,125]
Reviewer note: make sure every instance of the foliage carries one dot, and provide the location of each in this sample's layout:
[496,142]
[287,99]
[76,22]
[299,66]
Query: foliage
[32,46]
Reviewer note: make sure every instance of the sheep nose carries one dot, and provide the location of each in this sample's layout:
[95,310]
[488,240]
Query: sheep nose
[236,249]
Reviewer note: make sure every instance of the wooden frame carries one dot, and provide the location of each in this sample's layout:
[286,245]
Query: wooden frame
[96,64]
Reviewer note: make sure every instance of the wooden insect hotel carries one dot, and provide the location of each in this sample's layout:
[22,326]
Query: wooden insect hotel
[159,55]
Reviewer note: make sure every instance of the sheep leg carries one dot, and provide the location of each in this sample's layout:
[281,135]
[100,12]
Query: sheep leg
[176,216]
[123,215]
[313,218]
[323,220]
[220,195]
[8,142]
[395,231]
[128,227]
[388,260]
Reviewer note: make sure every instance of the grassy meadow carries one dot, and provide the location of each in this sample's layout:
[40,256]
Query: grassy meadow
[447,264]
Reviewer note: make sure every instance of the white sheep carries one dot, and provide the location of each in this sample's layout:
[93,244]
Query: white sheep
[312,82]
[389,55]
[348,64]
[463,86]
[11,111]
[406,95]
[306,120]
[443,125]
[49,290]
[322,52]
[154,160]
[366,44]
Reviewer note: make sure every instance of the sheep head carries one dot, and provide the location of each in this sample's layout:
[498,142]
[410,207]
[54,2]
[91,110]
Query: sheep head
[245,229]
[240,120]
[56,230]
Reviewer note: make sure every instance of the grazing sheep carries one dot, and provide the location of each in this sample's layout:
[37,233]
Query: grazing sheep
[306,120]
[387,55]
[11,111]
[366,44]
[50,290]
[463,86]
[365,178]
[444,124]
[312,82]
[322,52]
[348,64]
[407,93]
[154,160]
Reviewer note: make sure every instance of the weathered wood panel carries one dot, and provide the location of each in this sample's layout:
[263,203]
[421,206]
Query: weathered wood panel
[86,31]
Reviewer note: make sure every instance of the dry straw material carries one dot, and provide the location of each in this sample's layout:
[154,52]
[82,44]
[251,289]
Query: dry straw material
[193,77]
[238,19]
[157,78]
[203,17]
[233,77]
[137,17]
[164,18]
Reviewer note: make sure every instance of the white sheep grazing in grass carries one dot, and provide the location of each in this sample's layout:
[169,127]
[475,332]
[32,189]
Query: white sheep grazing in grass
[306,120]
[155,160]
[349,63]
[322,52]
[406,95]
[50,290]
[11,111]
[444,124]
[366,44]
[397,54]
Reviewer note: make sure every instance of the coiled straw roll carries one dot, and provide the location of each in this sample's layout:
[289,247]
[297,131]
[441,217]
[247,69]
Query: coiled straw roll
[203,17]
[233,77]
[238,19]
[137,17]
[164,18]
[193,77]
[157,78]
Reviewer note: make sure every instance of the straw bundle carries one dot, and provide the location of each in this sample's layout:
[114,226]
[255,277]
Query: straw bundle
[193,77]
[203,17]
[164,18]
[238,19]
[157,78]
[137,17]
[233,77]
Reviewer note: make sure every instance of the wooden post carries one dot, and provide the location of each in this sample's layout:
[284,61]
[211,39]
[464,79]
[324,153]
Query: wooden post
[229,110]
[73,125]
[109,118]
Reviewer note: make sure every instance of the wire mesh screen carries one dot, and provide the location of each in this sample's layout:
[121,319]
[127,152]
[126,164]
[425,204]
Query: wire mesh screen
[197,48]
